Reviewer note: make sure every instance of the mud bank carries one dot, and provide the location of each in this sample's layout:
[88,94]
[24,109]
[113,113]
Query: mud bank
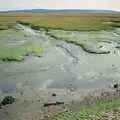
[88,41]
[67,63]
[71,69]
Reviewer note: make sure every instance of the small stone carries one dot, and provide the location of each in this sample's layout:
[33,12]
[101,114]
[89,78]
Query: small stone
[116,110]
[54,95]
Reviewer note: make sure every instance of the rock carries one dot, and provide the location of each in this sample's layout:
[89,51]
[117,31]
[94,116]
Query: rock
[53,104]
[7,100]
[54,95]
[116,110]
[116,85]
[100,46]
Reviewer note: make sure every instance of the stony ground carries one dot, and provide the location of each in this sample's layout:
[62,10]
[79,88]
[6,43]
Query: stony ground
[113,114]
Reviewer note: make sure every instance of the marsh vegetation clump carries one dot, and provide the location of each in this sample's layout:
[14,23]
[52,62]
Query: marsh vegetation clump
[7,100]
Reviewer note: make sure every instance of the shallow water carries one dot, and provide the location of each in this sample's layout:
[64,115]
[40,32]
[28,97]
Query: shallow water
[63,66]
[58,70]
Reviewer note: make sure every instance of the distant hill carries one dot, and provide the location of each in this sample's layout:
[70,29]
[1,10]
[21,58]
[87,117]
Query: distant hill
[59,11]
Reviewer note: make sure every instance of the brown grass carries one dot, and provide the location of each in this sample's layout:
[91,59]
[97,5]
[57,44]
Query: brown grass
[63,21]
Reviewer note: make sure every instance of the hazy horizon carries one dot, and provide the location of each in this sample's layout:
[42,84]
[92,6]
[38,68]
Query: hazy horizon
[6,5]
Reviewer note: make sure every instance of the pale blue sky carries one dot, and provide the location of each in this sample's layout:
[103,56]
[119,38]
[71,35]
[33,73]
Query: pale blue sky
[60,4]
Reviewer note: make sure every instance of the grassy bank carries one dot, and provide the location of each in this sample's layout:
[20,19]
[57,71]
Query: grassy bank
[79,22]
[87,113]
[15,45]
[17,53]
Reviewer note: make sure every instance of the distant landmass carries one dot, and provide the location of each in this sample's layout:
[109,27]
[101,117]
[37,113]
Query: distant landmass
[59,11]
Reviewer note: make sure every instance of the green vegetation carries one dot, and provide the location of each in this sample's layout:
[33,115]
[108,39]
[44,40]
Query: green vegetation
[79,22]
[87,112]
[15,45]
[17,53]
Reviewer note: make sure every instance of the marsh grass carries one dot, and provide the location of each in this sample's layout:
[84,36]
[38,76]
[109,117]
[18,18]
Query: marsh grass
[78,22]
[86,112]
[92,105]
[18,53]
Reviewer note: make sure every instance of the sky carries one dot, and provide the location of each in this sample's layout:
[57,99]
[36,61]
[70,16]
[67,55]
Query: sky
[59,4]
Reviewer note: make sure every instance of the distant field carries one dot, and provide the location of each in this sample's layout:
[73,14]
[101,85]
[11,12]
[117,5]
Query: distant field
[81,22]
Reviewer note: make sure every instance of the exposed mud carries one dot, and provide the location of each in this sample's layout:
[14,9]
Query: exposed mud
[68,51]
[99,42]
[67,64]
[69,69]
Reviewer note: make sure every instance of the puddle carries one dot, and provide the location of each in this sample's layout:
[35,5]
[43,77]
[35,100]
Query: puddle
[7,87]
